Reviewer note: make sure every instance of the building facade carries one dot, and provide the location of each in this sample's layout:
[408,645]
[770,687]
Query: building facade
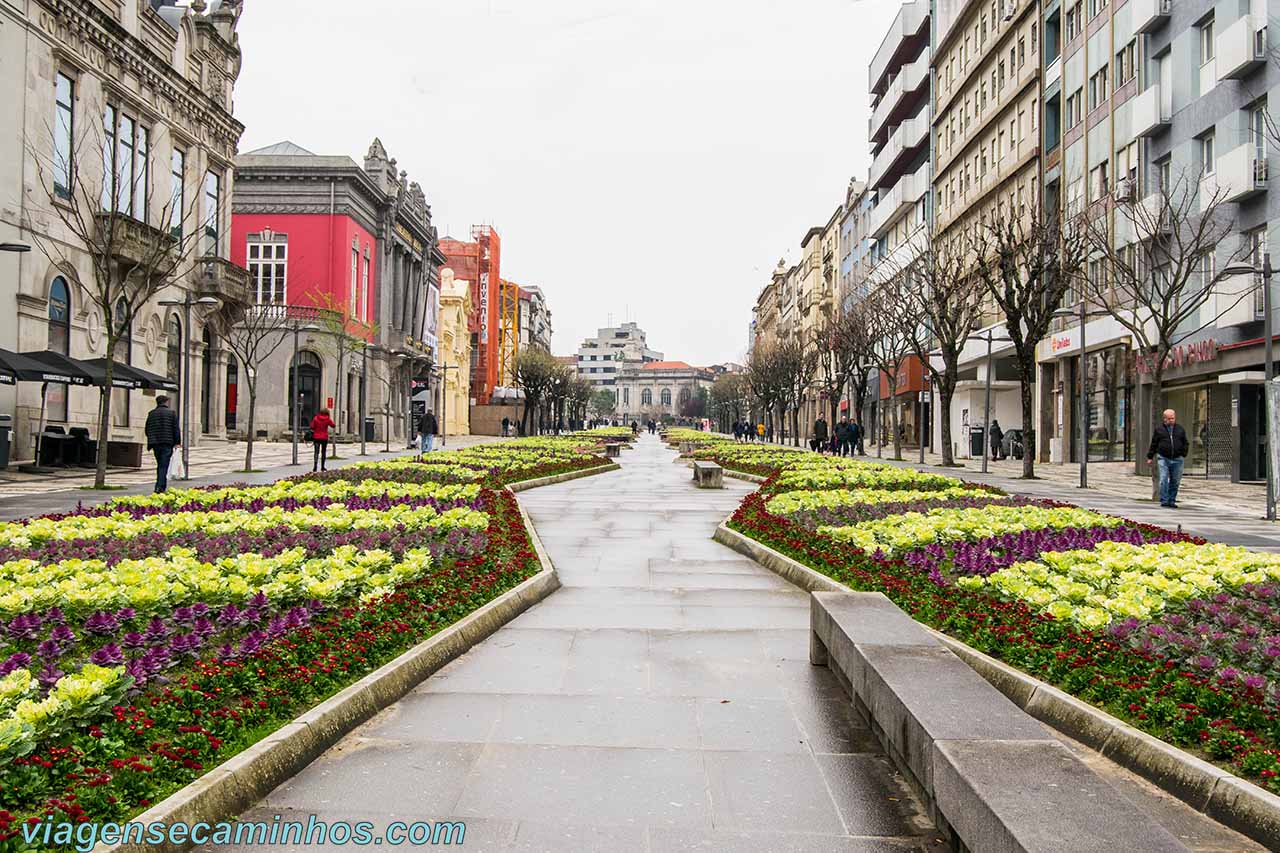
[658,390]
[614,349]
[479,262]
[535,319]
[121,116]
[323,233]
[454,400]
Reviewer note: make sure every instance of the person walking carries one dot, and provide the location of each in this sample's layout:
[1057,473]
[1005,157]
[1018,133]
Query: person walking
[320,426]
[855,443]
[506,427]
[163,435]
[997,439]
[427,428]
[819,442]
[760,432]
[1169,444]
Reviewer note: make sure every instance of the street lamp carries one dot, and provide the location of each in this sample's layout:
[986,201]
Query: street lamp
[1083,316]
[1269,365]
[185,303]
[989,337]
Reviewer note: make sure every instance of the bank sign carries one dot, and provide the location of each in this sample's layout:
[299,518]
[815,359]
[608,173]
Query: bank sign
[1182,355]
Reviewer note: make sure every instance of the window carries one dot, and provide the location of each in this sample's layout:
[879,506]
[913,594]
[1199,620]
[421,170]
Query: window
[108,157]
[1207,153]
[1022,51]
[124,166]
[1099,181]
[1073,22]
[268,265]
[626,396]
[1258,126]
[1206,41]
[63,135]
[355,280]
[177,192]
[212,212]
[1164,174]
[1075,111]
[1126,63]
[1096,7]
[364,288]
[646,397]
[1098,88]
[666,396]
[59,341]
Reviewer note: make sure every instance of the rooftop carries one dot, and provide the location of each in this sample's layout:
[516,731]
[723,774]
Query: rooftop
[667,365]
[285,148]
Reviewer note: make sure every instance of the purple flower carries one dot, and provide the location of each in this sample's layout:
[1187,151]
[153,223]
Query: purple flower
[157,630]
[108,655]
[1204,662]
[229,616]
[183,615]
[124,614]
[49,650]
[24,626]
[1255,682]
[134,640]
[102,623]
[55,616]
[62,635]
[49,676]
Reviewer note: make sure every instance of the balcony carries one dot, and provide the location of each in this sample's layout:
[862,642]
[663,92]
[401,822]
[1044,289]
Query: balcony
[897,200]
[1053,73]
[1242,48]
[135,244]
[1149,115]
[1234,302]
[1150,15]
[219,278]
[907,82]
[911,19]
[1237,175]
[902,145]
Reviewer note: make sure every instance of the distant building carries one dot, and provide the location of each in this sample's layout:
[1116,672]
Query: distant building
[615,348]
[455,355]
[658,389]
[535,319]
[479,262]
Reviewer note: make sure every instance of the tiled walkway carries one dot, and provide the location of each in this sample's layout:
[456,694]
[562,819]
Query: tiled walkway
[661,700]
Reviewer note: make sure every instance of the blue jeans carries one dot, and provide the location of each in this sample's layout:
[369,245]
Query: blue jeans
[427,441]
[1170,478]
[164,455]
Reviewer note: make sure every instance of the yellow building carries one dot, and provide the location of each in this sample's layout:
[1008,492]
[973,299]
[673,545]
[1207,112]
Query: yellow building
[455,354]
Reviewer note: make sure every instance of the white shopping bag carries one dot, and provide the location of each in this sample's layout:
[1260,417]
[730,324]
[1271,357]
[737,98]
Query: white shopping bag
[176,471]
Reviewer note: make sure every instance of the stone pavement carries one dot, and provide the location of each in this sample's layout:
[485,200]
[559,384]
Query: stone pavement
[661,700]
[210,464]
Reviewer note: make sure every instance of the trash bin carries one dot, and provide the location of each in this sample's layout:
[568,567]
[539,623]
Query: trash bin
[6,433]
[368,429]
[977,441]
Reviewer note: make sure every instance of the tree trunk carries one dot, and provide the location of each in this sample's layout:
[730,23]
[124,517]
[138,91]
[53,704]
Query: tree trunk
[946,391]
[1025,384]
[894,418]
[1157,416]
[248,442]
[104,414]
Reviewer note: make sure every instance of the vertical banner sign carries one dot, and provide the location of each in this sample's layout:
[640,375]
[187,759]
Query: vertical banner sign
[1273,428]
[484,308]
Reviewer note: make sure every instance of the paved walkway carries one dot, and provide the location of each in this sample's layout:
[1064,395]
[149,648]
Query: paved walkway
[661,700]
[218,467]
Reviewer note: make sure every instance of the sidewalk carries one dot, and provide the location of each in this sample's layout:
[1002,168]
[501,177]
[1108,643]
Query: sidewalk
[22,495]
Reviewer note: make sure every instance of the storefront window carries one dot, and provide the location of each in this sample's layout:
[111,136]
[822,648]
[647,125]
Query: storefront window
[1109,401]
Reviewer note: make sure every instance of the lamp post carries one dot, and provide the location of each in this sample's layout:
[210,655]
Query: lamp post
[19,248]
[364,391]
[185,304]
[990,338]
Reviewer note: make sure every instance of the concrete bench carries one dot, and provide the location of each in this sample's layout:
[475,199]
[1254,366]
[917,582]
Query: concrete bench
[993,777]
[613,450]
[686,448]
[708,475]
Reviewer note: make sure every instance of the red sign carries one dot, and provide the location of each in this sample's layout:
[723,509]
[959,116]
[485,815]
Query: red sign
[1060,343]
[329,404]
[1183,355]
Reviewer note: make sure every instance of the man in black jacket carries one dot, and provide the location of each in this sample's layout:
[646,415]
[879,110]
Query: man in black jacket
[427,429]
[1169,445]
[163,435]
[819,442]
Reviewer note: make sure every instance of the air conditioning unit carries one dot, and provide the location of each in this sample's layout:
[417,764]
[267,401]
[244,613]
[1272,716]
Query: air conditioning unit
[1009,13]
[1124,191]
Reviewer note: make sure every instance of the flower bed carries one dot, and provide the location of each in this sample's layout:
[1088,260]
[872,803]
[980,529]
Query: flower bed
[1178,637]
[148,641]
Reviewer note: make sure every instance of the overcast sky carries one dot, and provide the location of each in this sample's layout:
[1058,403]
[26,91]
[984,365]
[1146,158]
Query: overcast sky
[645,159]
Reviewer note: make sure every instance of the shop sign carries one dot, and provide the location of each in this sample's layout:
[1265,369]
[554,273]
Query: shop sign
[1060,342]
[1182,355]
[484,308]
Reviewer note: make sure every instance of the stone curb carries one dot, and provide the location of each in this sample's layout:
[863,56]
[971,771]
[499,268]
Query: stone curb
[1222,796]
[246,778]
[524,485]
[743,475]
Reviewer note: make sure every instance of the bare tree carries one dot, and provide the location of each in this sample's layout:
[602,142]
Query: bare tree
[796,363]
[768,380]
[729,398]
[137,241]
[1028,261]
[534,368]
[1155,274]
[253,340]
[943,297]
[891,330]
[862,339]
[346,336]
[836,354]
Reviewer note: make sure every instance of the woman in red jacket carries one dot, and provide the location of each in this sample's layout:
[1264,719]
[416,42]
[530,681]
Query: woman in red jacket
[320,426]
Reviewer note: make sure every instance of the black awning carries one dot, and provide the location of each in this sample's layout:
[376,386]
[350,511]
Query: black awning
[127,376]
[43,366]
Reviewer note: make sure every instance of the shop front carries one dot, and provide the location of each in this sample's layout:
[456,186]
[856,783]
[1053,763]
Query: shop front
[1110,397]
[910,404]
